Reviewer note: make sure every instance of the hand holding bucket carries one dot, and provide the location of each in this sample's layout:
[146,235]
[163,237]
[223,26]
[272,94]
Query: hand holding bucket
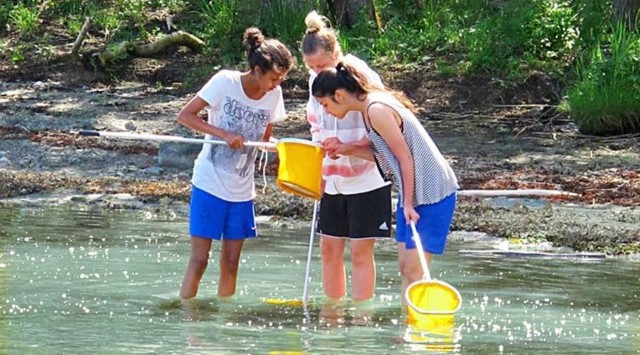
[432,303]
[300,167]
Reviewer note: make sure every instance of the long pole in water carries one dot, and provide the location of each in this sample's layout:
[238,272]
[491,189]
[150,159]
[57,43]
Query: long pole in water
[305,290]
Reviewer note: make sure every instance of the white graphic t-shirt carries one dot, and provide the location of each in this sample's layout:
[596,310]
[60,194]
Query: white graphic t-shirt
[219,170]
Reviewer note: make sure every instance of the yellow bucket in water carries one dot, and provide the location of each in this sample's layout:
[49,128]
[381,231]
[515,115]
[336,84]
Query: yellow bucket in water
[300,167]
[432,305]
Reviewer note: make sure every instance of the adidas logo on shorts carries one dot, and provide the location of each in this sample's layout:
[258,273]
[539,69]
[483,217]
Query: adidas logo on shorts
[383,227]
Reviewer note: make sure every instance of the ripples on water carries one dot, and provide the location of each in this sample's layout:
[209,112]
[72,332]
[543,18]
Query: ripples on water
[73,281]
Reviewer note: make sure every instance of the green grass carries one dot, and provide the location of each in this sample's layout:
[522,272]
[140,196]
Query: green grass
[25,19]
[286,19]
[605,99]
[222,28]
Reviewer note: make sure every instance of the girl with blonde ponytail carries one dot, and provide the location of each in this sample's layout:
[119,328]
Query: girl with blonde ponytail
[356,205]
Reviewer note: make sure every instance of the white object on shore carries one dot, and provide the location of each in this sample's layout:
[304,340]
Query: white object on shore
[525,192]
[532,254]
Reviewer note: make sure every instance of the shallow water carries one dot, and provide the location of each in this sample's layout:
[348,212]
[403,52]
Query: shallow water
[77,281]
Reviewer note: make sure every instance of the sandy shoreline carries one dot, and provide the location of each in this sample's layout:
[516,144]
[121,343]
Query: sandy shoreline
[42,162]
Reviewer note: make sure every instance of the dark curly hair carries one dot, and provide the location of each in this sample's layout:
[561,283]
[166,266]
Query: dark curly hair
[266,53]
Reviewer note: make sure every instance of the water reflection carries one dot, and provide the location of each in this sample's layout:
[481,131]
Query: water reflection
[107,282]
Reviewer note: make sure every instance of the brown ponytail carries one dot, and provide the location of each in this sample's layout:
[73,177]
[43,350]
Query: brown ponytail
[266,54]
[346,77]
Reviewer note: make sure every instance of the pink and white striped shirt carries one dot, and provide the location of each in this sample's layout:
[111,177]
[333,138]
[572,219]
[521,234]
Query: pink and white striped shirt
[346,175]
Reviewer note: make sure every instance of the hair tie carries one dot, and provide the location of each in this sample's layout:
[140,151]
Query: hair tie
[342,76]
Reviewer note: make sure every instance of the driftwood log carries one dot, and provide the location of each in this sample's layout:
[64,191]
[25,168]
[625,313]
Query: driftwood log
[126,49]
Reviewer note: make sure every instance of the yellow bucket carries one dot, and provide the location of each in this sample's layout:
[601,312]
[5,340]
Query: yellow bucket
[300,167]
[432,305]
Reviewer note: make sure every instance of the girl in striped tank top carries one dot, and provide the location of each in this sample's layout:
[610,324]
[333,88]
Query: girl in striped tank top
[405,154]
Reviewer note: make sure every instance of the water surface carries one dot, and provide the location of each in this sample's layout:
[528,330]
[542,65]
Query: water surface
[78,281]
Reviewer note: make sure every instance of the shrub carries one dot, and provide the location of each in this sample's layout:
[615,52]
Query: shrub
[606,96]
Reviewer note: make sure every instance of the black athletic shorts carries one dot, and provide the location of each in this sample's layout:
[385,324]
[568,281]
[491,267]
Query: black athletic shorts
[364,215]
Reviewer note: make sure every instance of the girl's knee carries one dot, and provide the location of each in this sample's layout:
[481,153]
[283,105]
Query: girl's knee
[411,271]
[199,262]
[331,249]
[230,262]
[362,256]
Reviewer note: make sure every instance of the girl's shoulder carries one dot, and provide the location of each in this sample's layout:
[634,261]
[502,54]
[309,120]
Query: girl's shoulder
[380,98]
[226,74]
[220,82]
[378,109]
[355,61]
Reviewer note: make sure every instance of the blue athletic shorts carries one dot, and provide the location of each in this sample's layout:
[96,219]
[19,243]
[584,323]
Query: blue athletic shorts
[433,225]
[214,218]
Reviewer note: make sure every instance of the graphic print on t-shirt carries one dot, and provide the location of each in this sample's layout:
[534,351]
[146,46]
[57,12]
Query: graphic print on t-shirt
[247,121]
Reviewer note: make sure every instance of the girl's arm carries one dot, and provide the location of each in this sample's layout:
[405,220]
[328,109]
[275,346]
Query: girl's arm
[386,122]
[267,132]
[188,117]
[266,137]
[360,148]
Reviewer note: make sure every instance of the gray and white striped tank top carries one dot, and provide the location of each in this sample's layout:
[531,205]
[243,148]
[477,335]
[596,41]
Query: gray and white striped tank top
[434,178]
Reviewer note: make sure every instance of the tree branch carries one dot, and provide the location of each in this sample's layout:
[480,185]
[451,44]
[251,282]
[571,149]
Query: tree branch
[83,32]
[126,49]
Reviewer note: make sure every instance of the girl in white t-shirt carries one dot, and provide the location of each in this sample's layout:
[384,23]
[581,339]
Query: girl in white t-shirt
[356,204]
[241,106]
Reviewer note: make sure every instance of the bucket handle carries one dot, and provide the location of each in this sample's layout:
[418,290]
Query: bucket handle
[426,275]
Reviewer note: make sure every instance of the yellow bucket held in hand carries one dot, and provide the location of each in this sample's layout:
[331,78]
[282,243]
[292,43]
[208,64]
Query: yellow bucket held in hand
[300,167]
[432,303]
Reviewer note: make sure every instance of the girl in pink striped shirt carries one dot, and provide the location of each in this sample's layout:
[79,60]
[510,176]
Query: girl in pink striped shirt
[356,204]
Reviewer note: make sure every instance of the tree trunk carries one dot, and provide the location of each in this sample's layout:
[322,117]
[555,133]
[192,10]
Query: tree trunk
[627,11]
[347,12]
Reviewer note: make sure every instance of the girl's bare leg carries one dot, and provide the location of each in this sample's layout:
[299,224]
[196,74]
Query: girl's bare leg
[197,265]
[333,273]
[229,260]
[363,274]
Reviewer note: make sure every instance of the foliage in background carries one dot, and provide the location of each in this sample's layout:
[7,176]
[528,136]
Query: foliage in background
[606,97]
[221,26]
[504,38]
[24,19]
[284,19]
[510,37]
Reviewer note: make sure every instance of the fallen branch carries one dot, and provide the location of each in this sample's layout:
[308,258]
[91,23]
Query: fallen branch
[524,105]
[125,49]
[81,35]
[609,139]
